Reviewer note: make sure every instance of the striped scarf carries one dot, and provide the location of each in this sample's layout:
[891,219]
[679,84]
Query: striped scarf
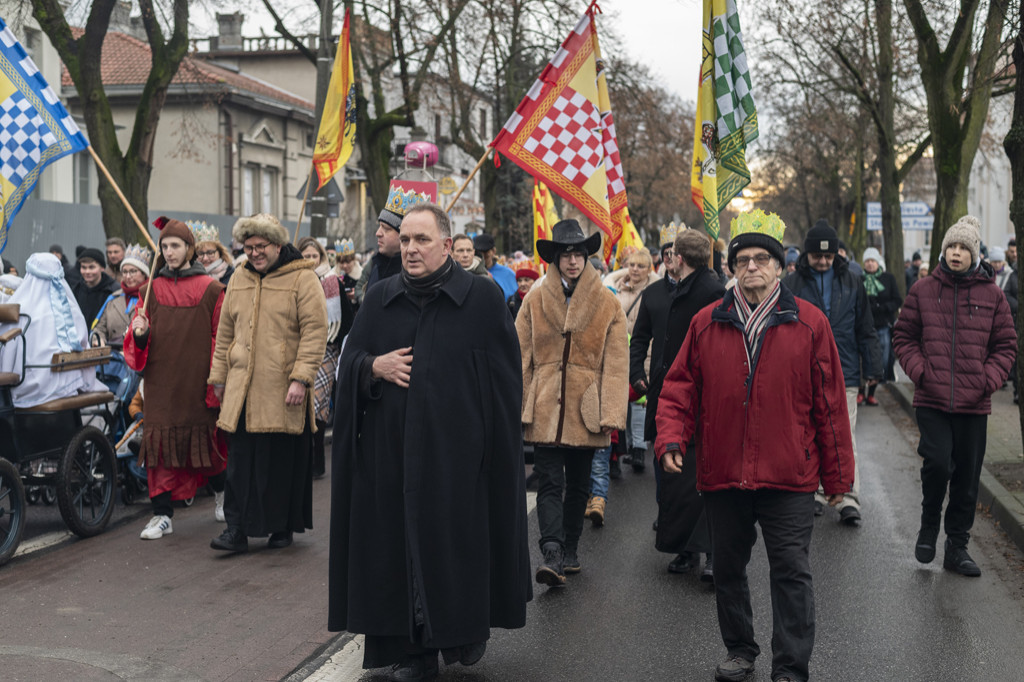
[754,321]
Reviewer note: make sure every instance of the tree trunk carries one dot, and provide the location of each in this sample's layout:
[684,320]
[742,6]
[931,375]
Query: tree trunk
[1014,146]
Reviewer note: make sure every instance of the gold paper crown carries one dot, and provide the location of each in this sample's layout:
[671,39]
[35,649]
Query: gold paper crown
[203,232]
[757,221]
[668,233]
[399,202]
[346,247]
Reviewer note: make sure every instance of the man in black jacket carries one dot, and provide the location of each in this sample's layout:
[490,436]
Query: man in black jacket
[92,290]
[387,262]
[823,277]
[664,317]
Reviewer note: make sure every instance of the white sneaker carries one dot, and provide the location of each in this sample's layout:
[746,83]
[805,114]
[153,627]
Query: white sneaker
[157,527]
[218,506]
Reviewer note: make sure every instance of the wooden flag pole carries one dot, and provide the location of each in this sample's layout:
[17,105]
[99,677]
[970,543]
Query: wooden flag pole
[471,174]
[302,208]
[138,223]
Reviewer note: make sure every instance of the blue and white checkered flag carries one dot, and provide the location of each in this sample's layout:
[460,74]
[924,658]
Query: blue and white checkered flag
[35,128]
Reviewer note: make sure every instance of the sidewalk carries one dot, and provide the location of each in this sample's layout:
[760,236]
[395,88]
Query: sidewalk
[1002,490]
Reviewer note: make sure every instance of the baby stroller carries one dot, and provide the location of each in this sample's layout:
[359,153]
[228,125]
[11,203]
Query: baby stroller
[123,383]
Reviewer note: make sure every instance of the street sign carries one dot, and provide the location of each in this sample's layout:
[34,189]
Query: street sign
[915,215]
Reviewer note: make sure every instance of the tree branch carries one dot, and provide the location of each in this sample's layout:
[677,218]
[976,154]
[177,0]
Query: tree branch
[288,35]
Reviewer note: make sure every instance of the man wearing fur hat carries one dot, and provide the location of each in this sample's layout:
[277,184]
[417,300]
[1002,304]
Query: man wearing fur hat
[270,342]
[387,262]
[428,522]
[572,332]
[956,341]
[94,286]
[825,278]
[170,341]
[756,386]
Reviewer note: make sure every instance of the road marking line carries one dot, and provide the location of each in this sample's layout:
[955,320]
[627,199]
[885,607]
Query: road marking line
[343,666]
[42,542]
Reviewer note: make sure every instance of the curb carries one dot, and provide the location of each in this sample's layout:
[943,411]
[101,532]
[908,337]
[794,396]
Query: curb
[1005,508]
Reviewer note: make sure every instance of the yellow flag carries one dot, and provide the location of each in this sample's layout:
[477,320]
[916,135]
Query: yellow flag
[629,242]
[544,218]
[337,132]
[726,115]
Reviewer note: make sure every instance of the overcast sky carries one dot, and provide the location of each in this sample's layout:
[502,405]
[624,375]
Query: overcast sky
[663,34]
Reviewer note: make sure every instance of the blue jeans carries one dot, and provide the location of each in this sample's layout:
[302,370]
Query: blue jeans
[635,432]
[599,472]
[885,344]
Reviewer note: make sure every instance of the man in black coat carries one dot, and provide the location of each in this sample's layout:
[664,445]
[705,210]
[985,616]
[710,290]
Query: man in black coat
[95,285]
[664,317]
[428,515]
[824,278]
[387,262]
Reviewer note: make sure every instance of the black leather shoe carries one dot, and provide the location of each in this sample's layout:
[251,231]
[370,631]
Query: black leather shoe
[637,460]
[570,562]
[734,669]
[614,469]
[231,540]
[707,574]
[684,563]
[415,669]
[280,540]
[472,653]
[924,548]
[819,508]
[850,516]
[959,561]
[550,572]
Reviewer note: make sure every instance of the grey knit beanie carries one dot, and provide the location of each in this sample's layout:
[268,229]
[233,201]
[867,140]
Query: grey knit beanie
[966,231]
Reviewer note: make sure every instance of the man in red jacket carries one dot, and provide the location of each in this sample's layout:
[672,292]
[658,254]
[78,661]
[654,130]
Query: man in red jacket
[955,340]
[760,380]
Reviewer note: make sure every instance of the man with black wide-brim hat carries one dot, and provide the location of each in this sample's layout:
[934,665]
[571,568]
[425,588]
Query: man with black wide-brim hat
[572,333]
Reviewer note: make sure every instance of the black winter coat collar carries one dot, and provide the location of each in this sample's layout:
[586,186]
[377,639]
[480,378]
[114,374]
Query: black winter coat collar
[456,288]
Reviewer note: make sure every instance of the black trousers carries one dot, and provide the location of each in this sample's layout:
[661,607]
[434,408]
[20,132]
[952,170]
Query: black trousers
[953,448]
[786,521]
[563,487]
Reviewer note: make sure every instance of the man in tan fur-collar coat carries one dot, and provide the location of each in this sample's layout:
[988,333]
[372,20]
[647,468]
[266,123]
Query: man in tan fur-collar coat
[572,332]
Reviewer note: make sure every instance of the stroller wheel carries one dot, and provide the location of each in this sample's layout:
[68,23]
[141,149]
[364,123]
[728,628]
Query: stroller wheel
[33,495]
[49,495]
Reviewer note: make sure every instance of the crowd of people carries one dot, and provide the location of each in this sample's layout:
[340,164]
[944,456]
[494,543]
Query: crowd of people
[740,365]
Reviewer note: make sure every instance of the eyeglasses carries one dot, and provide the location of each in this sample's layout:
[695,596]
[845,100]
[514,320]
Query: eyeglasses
[255,248]
[574,255]
[761,259]
[208,254]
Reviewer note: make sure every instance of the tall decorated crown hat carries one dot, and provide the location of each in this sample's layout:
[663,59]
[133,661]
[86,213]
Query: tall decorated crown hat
[757,228]
[346,247]
[138,256]
[668,234]
[203,232]
[398,204]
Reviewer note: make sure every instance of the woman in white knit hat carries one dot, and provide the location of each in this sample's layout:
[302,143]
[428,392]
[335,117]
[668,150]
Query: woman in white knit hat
[116,313]
[885,301]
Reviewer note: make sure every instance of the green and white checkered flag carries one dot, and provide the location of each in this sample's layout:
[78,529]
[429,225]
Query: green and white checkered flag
[737,115]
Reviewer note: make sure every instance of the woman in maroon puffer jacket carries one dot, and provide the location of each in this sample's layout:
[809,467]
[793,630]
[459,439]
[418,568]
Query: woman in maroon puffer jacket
[956,341]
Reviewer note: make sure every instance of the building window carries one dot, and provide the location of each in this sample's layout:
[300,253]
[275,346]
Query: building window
[483,124]
[259,189]
[249,174]
[268,177]
[33,41]
[83,169]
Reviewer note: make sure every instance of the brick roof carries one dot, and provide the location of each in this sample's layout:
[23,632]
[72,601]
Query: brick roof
[127,61]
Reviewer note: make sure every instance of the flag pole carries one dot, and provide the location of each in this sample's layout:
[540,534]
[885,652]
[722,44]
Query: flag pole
[302,207]
[120,195]
[471,174]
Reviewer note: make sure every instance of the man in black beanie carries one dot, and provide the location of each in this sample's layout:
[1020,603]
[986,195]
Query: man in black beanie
[95,285]
[823,277]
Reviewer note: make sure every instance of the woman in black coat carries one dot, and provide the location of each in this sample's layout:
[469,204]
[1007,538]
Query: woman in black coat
[885,301]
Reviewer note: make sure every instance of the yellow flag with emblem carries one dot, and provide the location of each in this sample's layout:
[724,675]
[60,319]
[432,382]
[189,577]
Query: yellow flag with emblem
[336,135]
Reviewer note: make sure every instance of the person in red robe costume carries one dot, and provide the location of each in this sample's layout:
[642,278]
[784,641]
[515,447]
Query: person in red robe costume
[171,342]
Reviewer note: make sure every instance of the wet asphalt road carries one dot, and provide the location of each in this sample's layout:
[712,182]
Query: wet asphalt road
[880,614]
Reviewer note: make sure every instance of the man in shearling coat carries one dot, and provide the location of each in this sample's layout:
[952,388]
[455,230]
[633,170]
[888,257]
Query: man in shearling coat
[572,333]
[270,343]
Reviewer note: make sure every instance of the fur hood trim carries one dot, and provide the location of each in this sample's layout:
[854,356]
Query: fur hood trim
[260,225]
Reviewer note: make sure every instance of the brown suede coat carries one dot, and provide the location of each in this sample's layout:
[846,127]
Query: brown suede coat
[575,362]
[272,330]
